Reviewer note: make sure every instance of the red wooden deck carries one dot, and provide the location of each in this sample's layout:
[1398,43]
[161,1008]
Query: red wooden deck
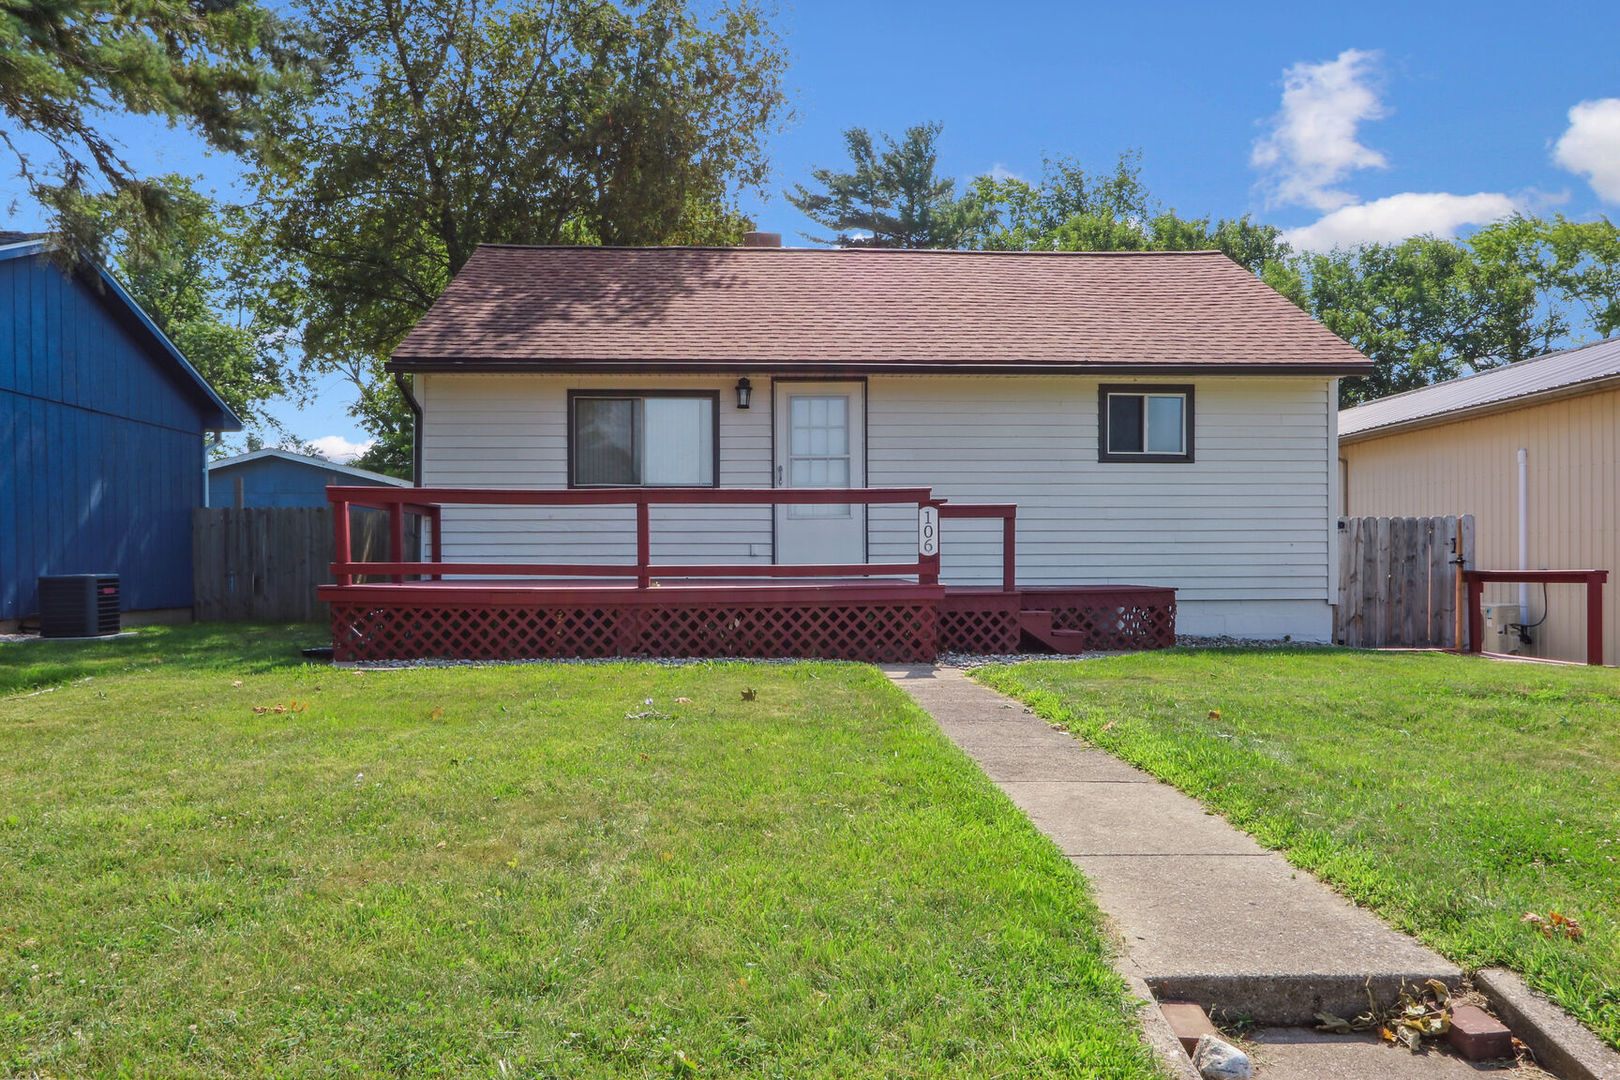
[876,612]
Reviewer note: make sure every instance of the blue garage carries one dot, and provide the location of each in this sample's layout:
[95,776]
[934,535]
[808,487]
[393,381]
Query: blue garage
[104,427]
[275,477]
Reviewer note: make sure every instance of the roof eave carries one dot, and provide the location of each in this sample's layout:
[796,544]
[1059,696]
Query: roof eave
[1487,408]
[429,365]
[224,418]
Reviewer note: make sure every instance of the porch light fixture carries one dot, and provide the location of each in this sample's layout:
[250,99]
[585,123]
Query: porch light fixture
[745,391]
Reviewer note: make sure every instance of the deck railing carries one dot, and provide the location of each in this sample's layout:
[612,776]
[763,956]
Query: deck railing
[429,504]
[1476,580]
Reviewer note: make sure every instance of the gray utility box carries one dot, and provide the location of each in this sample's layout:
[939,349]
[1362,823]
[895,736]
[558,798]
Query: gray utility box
[78,605]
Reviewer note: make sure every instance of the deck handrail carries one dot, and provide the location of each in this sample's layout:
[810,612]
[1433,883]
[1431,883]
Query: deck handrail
[429,503]
[1475,580]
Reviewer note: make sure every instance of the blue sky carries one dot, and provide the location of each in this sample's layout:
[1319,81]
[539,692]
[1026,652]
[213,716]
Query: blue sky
[1337,122]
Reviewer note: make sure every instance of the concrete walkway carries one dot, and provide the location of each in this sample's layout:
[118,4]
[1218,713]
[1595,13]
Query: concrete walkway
[1205,914]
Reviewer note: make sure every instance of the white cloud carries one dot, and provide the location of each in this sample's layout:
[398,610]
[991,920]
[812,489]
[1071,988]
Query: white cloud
[337,448]
[1313,143]
[1591,146]
[1391,220]
[998,171]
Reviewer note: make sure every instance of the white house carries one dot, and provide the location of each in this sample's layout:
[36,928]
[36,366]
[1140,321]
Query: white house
[1159,419]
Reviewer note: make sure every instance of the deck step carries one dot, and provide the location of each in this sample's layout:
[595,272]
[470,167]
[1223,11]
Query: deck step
[1037,623]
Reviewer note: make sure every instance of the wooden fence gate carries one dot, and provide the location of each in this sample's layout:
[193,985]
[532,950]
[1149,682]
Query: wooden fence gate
[1399,581]
[263,563]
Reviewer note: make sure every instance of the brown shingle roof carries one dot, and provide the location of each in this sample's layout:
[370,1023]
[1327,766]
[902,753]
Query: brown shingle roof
[604,309]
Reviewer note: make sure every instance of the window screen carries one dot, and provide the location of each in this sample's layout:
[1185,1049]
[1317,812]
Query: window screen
[643,440]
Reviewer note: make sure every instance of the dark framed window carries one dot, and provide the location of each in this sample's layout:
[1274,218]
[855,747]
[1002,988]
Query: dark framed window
[1144,423]
[651,438]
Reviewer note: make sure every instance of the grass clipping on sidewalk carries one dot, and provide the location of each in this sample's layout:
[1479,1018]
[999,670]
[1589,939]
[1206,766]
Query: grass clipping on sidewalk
[1473,804]
[220,861]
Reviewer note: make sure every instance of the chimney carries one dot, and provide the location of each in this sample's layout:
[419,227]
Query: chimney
[762,240]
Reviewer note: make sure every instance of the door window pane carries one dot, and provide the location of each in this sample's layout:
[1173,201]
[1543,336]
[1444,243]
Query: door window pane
[818,449]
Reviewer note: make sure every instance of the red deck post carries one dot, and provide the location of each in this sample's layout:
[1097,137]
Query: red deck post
[1476,617]
[1594,618]
[643,544]
[342,549]
[1009,552]
[436,524]
[928,565]
[1593,579]
[396,537]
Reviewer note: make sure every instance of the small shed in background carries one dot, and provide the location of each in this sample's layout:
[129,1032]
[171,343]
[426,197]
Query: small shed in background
[104,426]
[1532,450]
[274,477]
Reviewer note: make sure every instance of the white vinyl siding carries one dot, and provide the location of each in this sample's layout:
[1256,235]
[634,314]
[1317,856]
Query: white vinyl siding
[1245,529]
[1248,520]
[512,431]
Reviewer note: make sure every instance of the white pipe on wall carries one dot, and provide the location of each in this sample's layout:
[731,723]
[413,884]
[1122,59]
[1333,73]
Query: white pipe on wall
[1524,532]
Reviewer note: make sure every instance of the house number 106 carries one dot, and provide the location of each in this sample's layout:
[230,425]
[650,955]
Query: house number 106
[928,530]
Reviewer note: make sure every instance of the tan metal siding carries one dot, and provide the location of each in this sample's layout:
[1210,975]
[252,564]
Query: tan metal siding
[1471,467]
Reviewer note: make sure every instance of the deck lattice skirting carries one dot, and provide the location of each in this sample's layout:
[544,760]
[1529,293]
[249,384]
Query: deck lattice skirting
[811,612]
[859,629]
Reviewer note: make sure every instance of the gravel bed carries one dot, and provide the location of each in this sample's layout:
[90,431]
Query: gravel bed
[661,661]
[961,660]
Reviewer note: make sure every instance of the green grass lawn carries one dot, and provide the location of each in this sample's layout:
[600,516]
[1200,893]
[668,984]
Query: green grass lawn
[1452,795]
[535,871]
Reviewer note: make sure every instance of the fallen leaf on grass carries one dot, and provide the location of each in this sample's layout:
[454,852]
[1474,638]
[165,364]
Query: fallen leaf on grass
[683,701]
[1554,924]
[236,682]
[1108,726]
[278,709]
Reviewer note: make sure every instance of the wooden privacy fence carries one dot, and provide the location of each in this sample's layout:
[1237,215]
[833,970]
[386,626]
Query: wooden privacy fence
[264,562]
[1400,581]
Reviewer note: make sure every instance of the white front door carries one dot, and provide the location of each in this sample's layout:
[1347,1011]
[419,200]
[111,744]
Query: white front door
[820,443]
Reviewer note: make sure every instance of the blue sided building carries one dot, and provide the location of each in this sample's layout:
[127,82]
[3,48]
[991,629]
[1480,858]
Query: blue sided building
[103,436]
[275,477]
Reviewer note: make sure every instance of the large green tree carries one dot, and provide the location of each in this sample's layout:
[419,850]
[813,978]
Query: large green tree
[1070,209]
[183,269]
[892,197]
[439,126]
[69,68]
[1429,309]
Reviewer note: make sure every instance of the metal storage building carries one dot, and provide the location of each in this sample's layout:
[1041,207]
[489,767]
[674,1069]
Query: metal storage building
[1455,448]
